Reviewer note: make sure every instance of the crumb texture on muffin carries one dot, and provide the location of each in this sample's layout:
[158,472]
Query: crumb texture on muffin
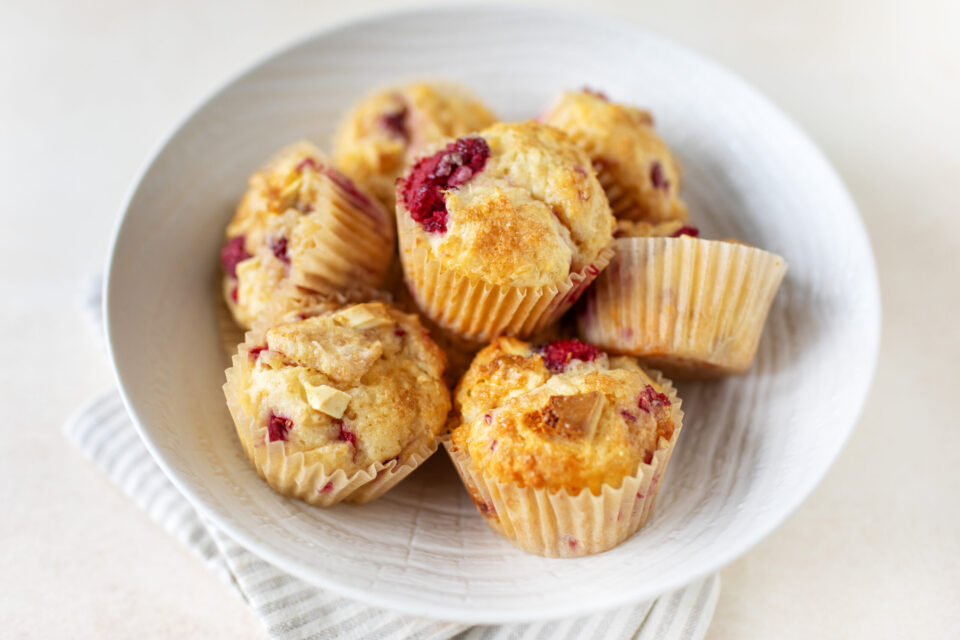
[386,130]
[638,172]
[516,204]
[347,388]
[560,416]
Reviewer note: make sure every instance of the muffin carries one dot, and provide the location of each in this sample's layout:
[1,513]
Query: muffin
[639,175]
[387,130]
[303,225]
[561,447]
[500,232]
[689,306]
[341,405]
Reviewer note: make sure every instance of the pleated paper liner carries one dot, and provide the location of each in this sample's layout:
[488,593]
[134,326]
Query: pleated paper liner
[290,474]
[691,307]
[478,310]
[347,241]
[561,525]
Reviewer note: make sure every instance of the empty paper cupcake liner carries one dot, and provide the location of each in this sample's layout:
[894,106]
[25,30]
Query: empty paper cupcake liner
[562,525]
[688,306]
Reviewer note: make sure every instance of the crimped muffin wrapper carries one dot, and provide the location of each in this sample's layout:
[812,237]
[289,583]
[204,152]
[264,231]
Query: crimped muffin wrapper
[478,310]
[689,306]
[560,525]
[354,247]
[291,475]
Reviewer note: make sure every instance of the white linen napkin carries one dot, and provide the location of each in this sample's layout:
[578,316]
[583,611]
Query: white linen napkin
[290,608]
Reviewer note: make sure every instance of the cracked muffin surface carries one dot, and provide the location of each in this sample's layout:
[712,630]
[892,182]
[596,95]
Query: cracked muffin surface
[387,130]
[638,172]
[559,416]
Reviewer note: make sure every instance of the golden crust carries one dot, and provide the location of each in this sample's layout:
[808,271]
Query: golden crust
[374,156]
[592,424]
[390,375]
[300,202]
[624,149]
[534,214]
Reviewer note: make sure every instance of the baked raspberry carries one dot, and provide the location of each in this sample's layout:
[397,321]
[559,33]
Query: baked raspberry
[626,415]
[256,351]
[449,168]
[307,162]
[346,435]
[558,354]
[327,488]
[347,185]
[658,177]
[651,399]
[686,231]
[395,123]
[279,248]
[278,427]
[399,332]
[233,253]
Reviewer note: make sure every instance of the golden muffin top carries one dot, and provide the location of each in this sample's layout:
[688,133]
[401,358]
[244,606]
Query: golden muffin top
[562,416]
[641,177]
[515,204]
[386,130]
[347,388]
[287,223]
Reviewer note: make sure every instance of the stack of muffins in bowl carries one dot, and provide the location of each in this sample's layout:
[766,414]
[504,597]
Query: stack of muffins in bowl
[515,292]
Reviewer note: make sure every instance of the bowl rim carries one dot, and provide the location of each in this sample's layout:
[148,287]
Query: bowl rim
[409,605]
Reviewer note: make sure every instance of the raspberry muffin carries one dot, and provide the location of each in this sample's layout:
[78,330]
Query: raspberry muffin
[302,225]
[561,447]
[635,167]
[689,306]
[387,130]
[501,231]
[341,405]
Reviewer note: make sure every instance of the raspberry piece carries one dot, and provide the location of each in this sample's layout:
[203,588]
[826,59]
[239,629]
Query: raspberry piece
[233,293]
[658,177]
[232,254]
[395,123]
[558,354]
[278,427]
[279,248]
[399,332]
[626,415]
[327,488]
[256,351]
[693,232]
[651,400]
[307,162]
[449,168]
[346,435]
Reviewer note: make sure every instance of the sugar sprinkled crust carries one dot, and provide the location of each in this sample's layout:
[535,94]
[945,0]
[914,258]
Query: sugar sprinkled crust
[347,388]
[388,129]
[640,174]
[561,416]
[285,231]
[533,213]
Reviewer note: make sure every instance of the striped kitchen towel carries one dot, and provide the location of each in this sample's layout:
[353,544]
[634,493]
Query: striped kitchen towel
[290,608]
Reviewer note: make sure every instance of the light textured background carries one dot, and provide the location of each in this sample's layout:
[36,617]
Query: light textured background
[87,91]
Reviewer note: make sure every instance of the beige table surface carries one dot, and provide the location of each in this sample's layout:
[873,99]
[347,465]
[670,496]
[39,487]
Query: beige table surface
[88,89]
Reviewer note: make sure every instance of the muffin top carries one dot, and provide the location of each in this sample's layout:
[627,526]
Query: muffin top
[640,175]
[563,415]
[386,130]
[515,204]
[348,388]
[279,226]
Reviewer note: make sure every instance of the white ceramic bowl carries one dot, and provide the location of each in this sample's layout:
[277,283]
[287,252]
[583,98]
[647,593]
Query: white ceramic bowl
[752,447]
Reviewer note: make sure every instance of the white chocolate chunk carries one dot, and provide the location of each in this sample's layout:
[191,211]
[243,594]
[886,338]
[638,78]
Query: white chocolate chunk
[561,386]
[364,316]
[330,401]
